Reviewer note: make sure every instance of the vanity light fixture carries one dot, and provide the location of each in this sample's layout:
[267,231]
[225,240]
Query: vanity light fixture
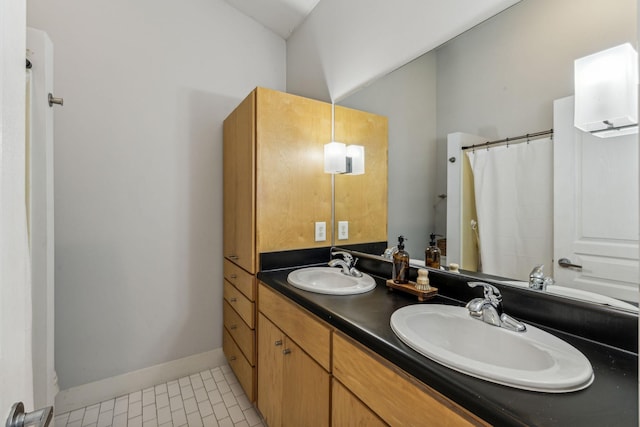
[606,88]
[340,158]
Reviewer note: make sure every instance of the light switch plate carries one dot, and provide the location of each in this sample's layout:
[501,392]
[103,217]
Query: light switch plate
[321,231]
[343,230]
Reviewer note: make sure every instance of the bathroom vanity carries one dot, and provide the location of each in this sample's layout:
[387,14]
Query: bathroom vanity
[375,379]
[275,190]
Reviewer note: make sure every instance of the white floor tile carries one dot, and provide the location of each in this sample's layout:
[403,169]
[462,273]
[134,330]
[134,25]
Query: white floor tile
[229,399]
[164,415]
[91,415]
[105,419]
[135,396]
[226,423]
[135,408]
[205,408]
[120,420]
[220,410]
[121,406]
[215,397]
[179,417]
[194,419]
[149,412]
[76,415]
[196,381]
[135,422]
[161,389]
[174,388]
[162,400]
[211,398]
[210,421]
[176,403]
[236,414]
[190,405]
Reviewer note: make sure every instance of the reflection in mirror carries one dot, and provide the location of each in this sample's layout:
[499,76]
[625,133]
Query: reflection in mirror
[497,80]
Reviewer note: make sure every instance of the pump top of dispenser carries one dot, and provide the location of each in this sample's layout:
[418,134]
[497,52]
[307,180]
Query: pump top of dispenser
[401,240]
[432,236]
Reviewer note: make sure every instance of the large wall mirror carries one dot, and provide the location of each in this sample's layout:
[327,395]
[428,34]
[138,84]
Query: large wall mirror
[499,79]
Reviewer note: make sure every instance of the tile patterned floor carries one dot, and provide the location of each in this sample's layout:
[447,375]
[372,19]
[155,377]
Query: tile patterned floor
[207,399]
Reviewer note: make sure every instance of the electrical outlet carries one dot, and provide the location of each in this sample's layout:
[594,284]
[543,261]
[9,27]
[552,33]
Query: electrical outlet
[343,230]
[321,231]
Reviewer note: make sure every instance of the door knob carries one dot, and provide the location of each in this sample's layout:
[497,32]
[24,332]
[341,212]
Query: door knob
[566,263]
[18,418]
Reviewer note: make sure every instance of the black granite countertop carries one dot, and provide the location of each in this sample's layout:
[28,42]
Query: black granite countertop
[612,399]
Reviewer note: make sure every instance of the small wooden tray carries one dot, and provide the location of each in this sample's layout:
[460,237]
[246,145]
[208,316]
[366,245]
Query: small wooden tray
[410,288]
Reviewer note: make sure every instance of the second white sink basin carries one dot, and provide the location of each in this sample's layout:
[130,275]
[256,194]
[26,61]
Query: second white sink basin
[532,360]
[330,280]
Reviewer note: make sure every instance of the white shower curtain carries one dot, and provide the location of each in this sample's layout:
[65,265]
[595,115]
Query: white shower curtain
[514,201]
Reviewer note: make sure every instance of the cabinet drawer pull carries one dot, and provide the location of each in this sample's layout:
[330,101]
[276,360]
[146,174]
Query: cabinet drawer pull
[286,351]
[234,276]
[232,327]
[232,358]
[233,299]
[234,257]
[278,343]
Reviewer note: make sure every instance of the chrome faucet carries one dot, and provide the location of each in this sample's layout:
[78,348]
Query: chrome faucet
[348,263]
[489,309]
[537,279]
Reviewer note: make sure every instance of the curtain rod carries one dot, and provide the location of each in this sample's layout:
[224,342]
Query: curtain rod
[527,137]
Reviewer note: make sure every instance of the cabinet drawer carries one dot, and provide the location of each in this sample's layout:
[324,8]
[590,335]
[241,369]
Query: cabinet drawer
[239,278]
[240,331]
[241,367]
[240,304]
[301,326]
[395,396]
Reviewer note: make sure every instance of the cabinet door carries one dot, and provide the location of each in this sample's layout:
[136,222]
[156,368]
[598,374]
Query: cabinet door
[239,185]
[306,389]
[270,371]
[362,199]
[293,191]
[347,410]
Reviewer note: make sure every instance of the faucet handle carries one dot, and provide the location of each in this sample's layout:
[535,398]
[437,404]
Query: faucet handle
[491,293]
[537,272]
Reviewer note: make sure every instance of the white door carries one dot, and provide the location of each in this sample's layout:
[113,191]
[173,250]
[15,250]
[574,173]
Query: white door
[16,382]
[595,208]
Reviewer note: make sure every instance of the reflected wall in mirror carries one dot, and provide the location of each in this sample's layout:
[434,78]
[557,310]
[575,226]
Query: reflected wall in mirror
[497,80]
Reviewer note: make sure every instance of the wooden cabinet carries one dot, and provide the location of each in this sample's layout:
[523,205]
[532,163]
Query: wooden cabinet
[293,387]
[238,339]
[349,411]
[362,199]
[275,190]
[239,185]
[396,397]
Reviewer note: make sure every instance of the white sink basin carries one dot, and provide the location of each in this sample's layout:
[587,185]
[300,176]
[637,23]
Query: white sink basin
[532,360]
[579,294]
[330,280]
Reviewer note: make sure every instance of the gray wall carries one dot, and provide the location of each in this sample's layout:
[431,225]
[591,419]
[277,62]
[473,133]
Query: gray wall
[138,173]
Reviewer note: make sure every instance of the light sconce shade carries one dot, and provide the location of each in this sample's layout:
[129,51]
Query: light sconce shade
[342,159]
[335,154]
[606,88]
[356,155]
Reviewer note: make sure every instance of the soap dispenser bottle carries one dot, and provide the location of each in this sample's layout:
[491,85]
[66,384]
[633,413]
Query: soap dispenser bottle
[401,263]
[432,254]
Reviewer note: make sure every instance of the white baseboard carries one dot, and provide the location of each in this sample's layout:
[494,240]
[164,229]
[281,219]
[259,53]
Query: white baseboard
[108,388]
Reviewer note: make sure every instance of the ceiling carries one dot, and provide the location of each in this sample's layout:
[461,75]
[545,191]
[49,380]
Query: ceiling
[280,16]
